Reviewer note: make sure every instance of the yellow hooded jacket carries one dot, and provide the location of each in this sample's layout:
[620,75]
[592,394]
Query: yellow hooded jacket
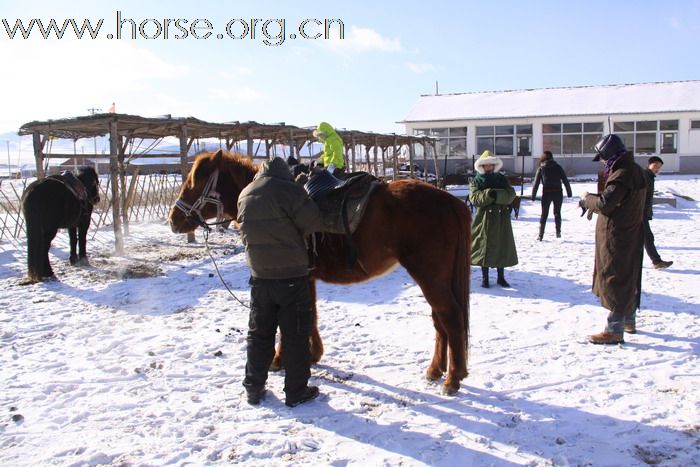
[332,146]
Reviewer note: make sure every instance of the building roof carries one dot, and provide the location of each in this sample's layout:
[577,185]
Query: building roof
[675,96]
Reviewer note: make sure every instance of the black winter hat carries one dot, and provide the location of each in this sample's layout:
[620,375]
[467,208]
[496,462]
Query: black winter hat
[609,146]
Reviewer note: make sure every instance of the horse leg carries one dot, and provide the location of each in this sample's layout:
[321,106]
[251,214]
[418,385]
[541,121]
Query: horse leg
[83,227]
[35,261]
[315,343]
[438,365]
[47,236]
[73,237]
[448,319]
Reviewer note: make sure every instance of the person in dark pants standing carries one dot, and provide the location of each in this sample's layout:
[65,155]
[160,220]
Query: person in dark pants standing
[654,165]
[552,176]
[275,216]
[619,238]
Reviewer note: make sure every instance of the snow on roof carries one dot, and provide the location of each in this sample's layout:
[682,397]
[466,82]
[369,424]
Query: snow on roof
[676,96]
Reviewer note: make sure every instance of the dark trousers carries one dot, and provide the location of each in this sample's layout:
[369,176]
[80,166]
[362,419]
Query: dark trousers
[649,243]
[551,197]
[285,303]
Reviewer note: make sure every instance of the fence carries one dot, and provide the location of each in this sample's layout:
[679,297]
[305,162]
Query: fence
[150,197]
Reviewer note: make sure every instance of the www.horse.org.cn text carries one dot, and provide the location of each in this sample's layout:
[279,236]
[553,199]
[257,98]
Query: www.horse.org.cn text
[272,32]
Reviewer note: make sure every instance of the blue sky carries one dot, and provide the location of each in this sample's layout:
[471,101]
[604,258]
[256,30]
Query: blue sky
[392,53]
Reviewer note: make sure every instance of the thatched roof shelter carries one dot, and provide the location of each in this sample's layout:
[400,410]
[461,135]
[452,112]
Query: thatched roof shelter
[123,129]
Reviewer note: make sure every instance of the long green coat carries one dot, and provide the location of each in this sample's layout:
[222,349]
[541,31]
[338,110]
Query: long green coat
[493,244]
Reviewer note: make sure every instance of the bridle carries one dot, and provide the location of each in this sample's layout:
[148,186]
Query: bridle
[209,195]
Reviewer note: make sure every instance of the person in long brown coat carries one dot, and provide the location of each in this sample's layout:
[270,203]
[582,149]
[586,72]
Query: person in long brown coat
[619,238]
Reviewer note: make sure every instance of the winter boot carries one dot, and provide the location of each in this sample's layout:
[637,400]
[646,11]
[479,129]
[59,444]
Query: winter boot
[661,264]
[309,393]
[557,223]
[539,237]
[501,278]
[485,277]
[606,337]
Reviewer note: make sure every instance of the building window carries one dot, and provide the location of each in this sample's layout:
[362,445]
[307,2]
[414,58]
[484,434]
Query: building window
[649,136]
[695,124]
[571,138]
[451,142]
[504,140]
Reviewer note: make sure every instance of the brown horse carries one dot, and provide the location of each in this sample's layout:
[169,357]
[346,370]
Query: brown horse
[409,222]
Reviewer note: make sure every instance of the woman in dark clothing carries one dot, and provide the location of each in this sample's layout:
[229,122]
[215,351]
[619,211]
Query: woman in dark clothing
[552,176]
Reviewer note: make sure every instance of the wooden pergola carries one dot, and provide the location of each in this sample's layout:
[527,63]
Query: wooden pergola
[124,129]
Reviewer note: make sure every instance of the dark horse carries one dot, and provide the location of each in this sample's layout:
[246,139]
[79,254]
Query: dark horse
[425,229]
[58,201]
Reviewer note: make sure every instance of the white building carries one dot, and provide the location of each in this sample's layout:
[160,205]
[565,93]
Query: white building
[653,119]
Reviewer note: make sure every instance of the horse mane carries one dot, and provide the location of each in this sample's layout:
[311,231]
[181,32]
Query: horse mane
[241,168]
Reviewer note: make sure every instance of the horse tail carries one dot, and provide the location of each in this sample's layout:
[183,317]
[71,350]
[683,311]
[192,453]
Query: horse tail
[35,261]
[461,274]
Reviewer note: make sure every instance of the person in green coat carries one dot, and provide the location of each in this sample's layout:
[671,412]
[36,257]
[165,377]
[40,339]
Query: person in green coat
[332,148]
[493,245]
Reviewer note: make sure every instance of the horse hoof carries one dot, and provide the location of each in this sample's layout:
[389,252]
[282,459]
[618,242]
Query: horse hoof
[433,375]
[450,390]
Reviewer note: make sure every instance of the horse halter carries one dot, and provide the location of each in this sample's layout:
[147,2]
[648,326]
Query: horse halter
[209,195]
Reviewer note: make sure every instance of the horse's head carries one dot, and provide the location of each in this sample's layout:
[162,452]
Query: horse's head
[210,190]
[88,177]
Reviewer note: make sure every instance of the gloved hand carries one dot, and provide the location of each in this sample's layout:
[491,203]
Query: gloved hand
[493,194]
[582,205]
[584,209]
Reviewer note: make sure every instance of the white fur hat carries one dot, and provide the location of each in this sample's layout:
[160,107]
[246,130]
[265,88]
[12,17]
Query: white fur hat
[487,158]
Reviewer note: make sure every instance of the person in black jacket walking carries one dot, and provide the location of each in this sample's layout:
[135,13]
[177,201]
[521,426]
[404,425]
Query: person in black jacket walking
[654,165]
[552,176]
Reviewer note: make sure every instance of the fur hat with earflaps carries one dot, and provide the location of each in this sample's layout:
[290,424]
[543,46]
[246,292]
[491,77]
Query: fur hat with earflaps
[487,158]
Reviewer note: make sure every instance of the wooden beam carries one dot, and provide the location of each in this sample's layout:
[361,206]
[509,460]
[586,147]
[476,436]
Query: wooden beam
[113,171]
[185,144]
[38,154]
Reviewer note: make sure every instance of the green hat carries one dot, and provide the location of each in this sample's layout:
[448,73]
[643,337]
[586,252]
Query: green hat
[487,158]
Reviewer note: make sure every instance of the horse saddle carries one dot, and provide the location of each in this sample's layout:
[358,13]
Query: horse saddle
[342,202]
[73,184]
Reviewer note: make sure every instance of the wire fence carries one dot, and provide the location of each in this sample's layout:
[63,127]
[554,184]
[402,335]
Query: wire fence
[149,198]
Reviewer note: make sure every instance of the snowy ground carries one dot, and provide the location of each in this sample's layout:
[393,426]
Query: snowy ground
[138,360]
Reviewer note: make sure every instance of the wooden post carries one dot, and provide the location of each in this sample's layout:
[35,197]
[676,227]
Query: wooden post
[411,157]
[376,150]
[352,149]
[184,149]
[395,161]
[292,146]
[249,143]
[122,188]
[437,169]
[114,179]
[383,161]
[425,162]
[38,154]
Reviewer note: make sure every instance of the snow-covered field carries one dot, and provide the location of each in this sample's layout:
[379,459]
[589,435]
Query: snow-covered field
[138,360]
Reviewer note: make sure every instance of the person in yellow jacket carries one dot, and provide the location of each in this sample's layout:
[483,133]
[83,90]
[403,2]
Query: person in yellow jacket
[332,148]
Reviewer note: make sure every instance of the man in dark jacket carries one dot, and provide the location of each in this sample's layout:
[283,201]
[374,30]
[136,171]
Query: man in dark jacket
[619,238]
[654,165]
[275,216]
[552,176]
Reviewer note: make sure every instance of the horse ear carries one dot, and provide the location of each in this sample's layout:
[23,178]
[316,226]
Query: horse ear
[217,158]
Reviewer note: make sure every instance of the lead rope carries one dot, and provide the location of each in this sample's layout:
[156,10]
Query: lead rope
[206,244]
